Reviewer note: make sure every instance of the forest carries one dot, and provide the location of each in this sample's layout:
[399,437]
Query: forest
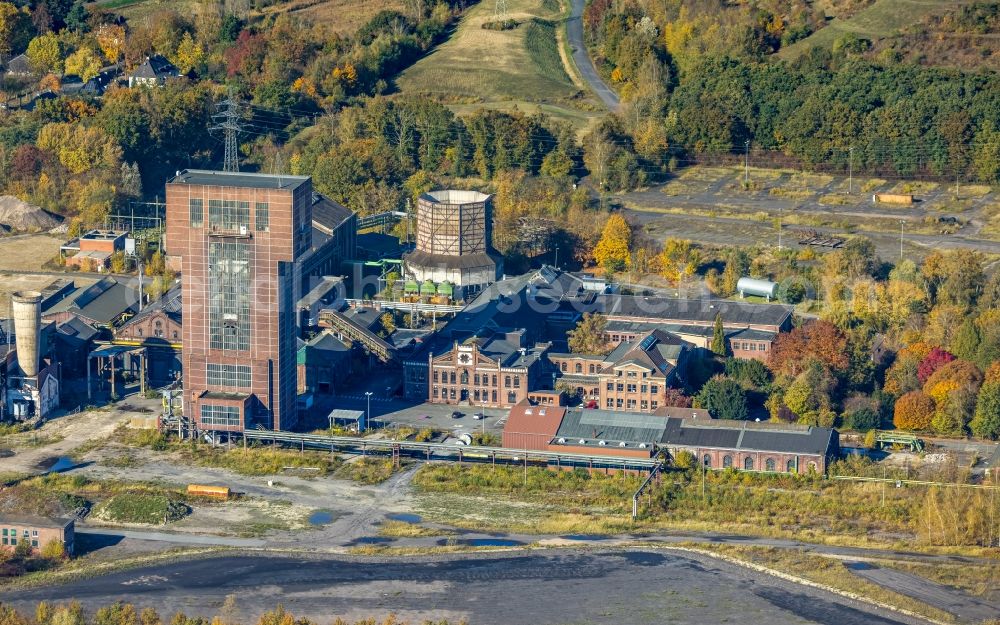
[698,81]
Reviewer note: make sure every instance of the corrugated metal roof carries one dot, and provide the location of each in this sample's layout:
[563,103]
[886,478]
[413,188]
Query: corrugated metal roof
[594,426]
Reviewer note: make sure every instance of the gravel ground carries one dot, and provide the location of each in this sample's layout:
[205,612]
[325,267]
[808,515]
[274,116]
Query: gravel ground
[508,588]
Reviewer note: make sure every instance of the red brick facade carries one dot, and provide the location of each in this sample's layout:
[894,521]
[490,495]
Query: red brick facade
[256,239]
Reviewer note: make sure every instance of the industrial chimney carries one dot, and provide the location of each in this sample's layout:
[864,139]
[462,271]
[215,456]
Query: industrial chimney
[27,307]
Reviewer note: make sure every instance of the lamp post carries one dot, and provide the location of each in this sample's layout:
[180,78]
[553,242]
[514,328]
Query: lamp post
[368,409]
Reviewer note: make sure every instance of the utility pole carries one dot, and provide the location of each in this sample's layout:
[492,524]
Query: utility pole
[746,163]
[781,217]
[850,170]
[901,222]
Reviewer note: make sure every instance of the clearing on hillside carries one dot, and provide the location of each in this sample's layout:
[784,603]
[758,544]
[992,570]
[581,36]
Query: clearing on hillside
[885,18]
[521,65]
[341,16]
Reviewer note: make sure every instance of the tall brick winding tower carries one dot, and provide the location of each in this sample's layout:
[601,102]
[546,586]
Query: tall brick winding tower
[237,239]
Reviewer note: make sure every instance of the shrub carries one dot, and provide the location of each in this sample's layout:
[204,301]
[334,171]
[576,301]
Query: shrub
[863,420]
[53,550]
[141,508]
[684,460]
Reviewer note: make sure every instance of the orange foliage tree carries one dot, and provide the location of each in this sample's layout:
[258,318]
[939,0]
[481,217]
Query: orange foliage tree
[914,411]
[817,340]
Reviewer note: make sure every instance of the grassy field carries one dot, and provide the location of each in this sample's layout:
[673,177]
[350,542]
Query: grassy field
[883,19]
[500,69]
[341,16]
[570,502]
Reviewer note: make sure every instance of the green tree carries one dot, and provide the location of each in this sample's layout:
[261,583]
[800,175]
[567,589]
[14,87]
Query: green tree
[863,419]
[750,373]
[986,158]
[986,422]
[588,335]
[965,341]
[718,336]
[723,398]
[76,19]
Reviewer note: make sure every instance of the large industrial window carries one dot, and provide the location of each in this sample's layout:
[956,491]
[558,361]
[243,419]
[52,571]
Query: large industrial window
[196,209]
[220,415]
[229,304]
[262,218]
[228,214]
[228,375]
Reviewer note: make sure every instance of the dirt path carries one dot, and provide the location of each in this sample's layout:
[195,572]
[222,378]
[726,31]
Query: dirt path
[64,434]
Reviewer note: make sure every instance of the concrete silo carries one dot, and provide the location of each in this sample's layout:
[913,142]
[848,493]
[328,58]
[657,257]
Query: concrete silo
[27,310]
[455,242]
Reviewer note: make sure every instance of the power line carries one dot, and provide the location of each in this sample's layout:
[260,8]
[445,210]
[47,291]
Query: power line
[228,120]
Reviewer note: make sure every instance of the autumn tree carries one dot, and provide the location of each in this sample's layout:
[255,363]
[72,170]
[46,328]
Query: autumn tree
[189,54]
[111,39]
[45,54]
[913,411]
[83,63]
[934,360]
[588,335]
[15,28]
[613,248]
[678,260]
[819,340]
[809,396]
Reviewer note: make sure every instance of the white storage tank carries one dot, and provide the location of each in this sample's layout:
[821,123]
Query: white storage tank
[760,288]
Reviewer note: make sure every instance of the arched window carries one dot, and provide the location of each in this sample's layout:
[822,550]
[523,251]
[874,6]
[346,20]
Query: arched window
[593,369]
[562,365]
[748,464]
[790,466]
[511,397]
[579,367]
[769,465]
[139,331]
[465,377]
[707,460]
[727,462]
[506,381]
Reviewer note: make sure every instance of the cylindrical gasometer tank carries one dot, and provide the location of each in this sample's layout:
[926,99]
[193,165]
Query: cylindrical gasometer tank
[27,308]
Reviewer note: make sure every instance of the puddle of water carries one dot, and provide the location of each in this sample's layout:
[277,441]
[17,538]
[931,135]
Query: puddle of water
[56,465]
[404,517]
[585,537]
[482,542]
[372,540]
[860,566]
[320,517]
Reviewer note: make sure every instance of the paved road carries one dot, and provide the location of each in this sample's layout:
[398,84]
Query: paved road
[574,33]
[628,587]
[965,607]
[185,539]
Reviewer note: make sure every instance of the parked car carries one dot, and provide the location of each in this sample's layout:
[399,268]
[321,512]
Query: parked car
[456,415]
[479,416]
